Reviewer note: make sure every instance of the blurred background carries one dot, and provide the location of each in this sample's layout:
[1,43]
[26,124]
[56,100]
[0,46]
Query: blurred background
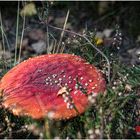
[100,18]
[31,28]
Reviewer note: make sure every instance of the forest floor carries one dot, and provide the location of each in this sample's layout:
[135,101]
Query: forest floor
[112,27]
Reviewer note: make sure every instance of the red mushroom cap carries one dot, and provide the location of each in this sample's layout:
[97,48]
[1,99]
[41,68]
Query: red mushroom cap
[51,85]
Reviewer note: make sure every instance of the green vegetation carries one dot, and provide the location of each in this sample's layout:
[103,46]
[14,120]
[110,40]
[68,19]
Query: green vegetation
[114,114]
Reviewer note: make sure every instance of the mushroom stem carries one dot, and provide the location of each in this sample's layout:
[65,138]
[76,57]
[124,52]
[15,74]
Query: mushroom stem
[46,123]
[47,129]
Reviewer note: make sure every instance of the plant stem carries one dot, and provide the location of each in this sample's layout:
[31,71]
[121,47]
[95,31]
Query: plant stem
[21,40]
[17,27]
[62,34]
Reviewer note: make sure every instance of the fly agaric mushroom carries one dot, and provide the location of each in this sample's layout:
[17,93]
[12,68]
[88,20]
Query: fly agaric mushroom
[56,85]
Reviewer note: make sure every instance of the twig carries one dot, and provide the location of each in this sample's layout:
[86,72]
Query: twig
[21,40]
[57,28]
[62,33]
[48,43]
[54,43]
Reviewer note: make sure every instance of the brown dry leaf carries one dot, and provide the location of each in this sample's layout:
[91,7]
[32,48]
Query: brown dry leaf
[128,87]
[37,34]
[62,91]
